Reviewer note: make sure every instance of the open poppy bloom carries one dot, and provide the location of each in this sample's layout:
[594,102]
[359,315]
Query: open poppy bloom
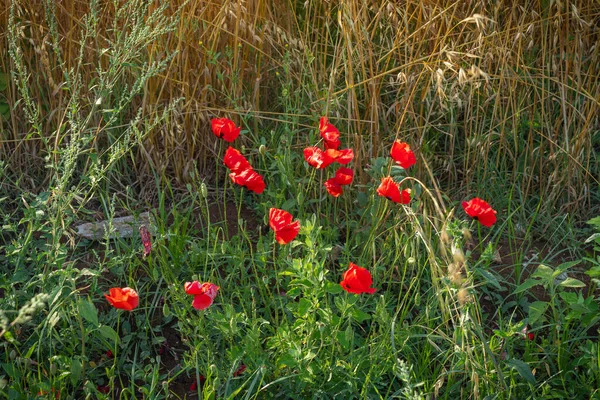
[204,293]
[235,161]
[124,299]
[391,191]
[250,179]
[317,158]
[402,154]
[343,176]
[329,133]
[340,156]
[225,129]
[481,211]
[333,188]
[281,223]
[357,280]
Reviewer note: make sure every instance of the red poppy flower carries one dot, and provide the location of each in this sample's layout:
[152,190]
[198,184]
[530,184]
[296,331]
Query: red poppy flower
[481,211]
[329,133]
[240,370]
[204,293]
[109,354]
[402,154]
[333,187]
[225,129]
[124,299]
[235,161]
[344,176]
[194,384]
[281,223]
[340,156]
[391,191]
[103,389]
[250,179]
[317,158]
[357,280]
[145,235]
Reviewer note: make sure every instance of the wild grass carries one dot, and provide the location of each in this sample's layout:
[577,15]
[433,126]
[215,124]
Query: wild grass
[106,111]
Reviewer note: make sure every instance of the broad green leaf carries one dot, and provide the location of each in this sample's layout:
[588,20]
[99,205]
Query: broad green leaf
[594,221]
[523,369]
[529,283]
[544,272]
[536,310]
[564,266]
[88,311]
[75,371]
[333,288]
[109,333]
[490,278]
[572,282]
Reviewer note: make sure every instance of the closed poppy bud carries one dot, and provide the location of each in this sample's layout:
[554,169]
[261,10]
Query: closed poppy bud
[481,211]
[225,129]
[203,190]
[357,280]
[281,223]
[402,154]
[125,298]
[146,240]
[262,150]
[204,293]
[240,370]
[109,354]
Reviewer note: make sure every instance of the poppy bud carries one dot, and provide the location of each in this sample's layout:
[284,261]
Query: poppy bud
[53,369]
[262,150]
[203,190]
[13,355]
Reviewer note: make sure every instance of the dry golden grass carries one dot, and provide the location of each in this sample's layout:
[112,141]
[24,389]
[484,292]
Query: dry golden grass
[482,89]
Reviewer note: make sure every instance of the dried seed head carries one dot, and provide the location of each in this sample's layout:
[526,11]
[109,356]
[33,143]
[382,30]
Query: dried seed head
[463,296]
[467,234]
[458,256]
[445,237]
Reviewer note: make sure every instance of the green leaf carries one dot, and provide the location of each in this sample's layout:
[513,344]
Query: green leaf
[529,283]
[333,288]
[489,278]
[536,310]
[544,272]
[594,221]
[523,369]
[88,311]
[359,315]
[4,109]
[109,333]
[303,306]
[288,204]
[75,371]
[572,282]
[563,267]
[3,81]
